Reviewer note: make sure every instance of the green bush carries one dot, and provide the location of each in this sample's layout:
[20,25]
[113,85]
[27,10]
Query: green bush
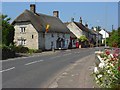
[34,51]
[7,52]
[38,51]
[21,49]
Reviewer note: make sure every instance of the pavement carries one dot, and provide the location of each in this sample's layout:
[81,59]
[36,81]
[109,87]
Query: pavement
[78,75]
[41,70]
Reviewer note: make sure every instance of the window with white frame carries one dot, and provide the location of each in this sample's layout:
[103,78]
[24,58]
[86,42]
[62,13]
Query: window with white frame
[22,42]
[22,29]
[51,43]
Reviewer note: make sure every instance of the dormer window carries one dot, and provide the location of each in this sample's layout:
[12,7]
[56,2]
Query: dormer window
[22,29]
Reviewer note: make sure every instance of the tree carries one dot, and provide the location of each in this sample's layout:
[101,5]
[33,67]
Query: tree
[83,38]
[7,30]
[119,37]
[114,39]
[98,28]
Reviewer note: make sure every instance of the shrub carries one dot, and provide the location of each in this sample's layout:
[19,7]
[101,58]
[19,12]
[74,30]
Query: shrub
[107,74]
[7,52]
[38,51]
[21,49]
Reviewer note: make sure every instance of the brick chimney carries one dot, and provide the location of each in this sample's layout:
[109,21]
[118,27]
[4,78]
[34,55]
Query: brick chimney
[33,8]
[86,25]
[56,14]
[81,20]
[72,19]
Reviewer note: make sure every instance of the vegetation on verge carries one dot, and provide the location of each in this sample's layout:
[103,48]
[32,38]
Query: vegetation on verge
[114,39]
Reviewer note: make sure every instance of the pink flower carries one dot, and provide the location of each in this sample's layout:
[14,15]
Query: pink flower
[115,55]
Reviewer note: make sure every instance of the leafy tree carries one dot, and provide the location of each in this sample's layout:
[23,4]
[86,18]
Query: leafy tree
[114,39]
[98,28]
[7,30]
[83,38]
[119,37]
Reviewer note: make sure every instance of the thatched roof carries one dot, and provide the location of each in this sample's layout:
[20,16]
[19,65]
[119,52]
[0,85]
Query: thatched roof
[40,21]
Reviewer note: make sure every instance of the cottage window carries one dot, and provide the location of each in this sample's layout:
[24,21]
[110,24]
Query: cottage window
[51,43]
[21,42]
[22,29]
[43,35]
[24,42]
[32,36]
[52,35]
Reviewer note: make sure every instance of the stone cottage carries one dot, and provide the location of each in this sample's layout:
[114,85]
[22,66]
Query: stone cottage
[39,31]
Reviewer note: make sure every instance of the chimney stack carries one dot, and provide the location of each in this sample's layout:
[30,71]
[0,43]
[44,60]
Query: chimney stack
[86,25]
[33,8]
[81,20]
[72,19]
[56,14]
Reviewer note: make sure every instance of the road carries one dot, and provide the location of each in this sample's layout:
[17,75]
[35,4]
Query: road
[39,71]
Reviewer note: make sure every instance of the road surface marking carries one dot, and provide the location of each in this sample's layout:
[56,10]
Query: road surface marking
[7,69]
[33,62]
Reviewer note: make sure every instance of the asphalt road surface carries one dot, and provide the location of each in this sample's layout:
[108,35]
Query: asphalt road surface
[39,71]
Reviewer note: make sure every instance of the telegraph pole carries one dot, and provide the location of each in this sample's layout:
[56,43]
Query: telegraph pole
[105,23]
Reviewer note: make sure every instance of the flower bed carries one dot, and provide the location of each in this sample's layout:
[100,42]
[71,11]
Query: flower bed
[107,70]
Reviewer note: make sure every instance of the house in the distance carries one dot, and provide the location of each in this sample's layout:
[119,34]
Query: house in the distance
[39,31]
[98,37]
[105,34]
[78,30]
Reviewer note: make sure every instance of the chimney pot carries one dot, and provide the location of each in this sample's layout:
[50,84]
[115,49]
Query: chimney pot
[81,20]
[86,25]
[72,19]
[32,8]
[56,14]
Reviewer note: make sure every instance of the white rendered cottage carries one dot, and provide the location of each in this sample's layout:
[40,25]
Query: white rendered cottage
[30,30]
[105,34]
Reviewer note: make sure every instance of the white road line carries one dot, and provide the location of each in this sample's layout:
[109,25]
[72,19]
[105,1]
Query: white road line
[7,69]
[34,62]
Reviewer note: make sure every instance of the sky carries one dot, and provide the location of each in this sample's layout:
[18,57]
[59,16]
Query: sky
[104,14]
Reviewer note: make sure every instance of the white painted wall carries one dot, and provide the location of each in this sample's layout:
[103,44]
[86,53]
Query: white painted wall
[41,41]
[104,33]
[49,39]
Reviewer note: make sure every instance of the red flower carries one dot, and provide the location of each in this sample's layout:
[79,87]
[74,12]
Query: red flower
[119,68]
[107,52]
[114,64]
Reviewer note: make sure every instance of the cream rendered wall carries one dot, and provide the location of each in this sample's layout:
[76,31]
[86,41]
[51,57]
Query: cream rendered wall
[75,29]
[30,30]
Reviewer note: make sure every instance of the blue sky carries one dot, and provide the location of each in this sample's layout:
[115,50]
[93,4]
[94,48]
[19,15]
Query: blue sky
[104,14]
